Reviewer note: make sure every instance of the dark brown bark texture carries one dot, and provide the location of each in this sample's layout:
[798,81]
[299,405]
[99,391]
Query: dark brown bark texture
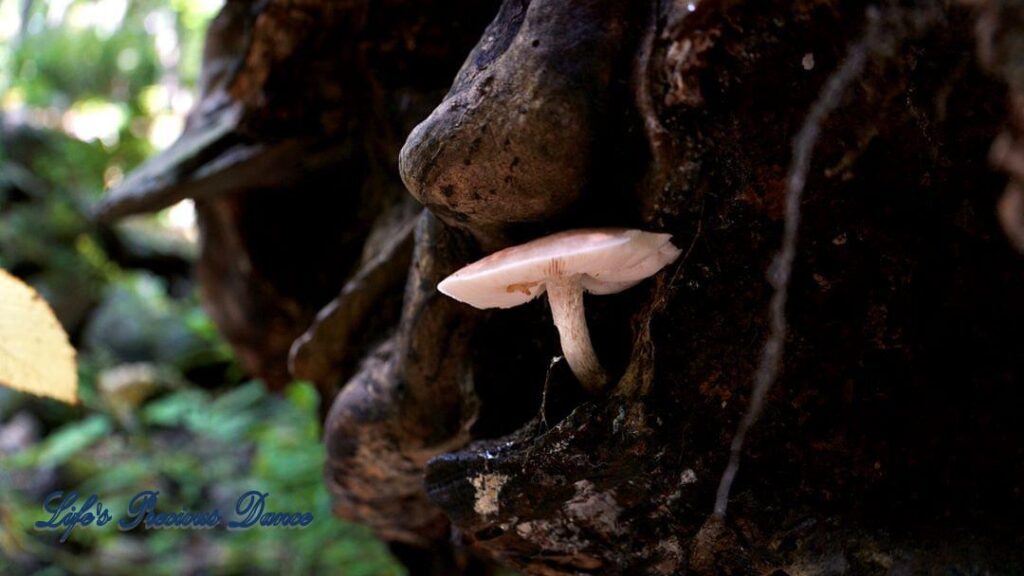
[892,441]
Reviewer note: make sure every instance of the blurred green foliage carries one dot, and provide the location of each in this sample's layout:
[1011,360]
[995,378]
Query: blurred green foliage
[201,450]
[84,88]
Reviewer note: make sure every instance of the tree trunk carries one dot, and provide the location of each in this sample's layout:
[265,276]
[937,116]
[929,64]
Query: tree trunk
[846,183]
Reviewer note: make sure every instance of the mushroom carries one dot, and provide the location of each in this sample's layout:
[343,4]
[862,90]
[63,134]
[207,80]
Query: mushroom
[596,260]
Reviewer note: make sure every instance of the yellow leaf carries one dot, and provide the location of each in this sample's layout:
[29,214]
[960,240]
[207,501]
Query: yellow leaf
[35,355]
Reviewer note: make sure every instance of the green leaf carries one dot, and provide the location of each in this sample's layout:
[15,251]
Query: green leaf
[71,439]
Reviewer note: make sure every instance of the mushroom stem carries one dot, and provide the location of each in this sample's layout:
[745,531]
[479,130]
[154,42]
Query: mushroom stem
[565,295]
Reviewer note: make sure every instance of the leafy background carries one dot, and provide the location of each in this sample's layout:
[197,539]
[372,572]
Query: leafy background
[88,89]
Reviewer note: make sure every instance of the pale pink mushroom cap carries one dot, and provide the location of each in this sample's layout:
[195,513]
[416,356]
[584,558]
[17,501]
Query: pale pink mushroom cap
[608,260]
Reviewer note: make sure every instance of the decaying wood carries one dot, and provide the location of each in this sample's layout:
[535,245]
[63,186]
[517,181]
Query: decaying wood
[891,440]
[320,355]
[515,140]
[406,404]
[291,156]
[290,153]
[856,448]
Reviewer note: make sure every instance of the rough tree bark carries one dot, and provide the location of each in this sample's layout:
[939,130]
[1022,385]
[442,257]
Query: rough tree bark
[891,440]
